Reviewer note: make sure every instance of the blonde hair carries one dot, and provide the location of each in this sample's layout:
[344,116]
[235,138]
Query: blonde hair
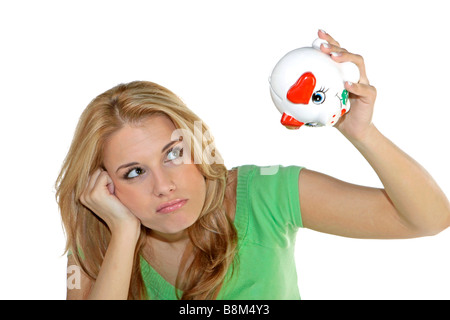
[213,236]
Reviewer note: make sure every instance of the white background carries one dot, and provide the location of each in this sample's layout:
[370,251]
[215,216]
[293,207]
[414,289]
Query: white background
[56,56]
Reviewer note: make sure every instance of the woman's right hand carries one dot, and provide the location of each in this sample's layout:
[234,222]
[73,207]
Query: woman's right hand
[99,197]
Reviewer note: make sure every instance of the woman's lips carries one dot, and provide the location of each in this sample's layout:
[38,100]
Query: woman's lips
[171,206]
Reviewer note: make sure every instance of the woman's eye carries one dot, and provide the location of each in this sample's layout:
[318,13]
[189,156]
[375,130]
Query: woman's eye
[174,154]
[318,97]
[133,173]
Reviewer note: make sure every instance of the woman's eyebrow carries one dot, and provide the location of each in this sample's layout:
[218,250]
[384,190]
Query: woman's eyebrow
[167,146]
[127,165]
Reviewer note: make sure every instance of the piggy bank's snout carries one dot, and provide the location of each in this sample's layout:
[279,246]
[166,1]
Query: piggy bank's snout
[302,90]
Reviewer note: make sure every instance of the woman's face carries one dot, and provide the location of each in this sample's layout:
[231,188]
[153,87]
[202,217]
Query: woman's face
[167,196]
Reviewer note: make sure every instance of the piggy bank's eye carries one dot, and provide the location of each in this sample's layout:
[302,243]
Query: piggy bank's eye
[319,96]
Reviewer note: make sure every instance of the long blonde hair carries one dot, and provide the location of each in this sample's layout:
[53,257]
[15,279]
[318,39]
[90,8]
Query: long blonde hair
[213,236]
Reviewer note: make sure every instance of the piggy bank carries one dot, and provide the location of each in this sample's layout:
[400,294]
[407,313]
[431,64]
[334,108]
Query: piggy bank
[307,87]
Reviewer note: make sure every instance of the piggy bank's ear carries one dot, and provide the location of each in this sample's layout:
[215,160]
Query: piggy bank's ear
[316,44]
[350,71]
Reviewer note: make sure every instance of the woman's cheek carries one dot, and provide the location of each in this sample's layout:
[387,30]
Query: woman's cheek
[130,198]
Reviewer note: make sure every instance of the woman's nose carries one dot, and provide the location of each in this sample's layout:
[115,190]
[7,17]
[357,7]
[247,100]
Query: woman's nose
[163,184]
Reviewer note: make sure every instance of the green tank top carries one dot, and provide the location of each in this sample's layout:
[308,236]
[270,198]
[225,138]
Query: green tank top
[267,219]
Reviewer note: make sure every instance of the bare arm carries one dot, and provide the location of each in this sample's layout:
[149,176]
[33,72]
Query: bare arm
[411,203]
[419,202]
[113,280]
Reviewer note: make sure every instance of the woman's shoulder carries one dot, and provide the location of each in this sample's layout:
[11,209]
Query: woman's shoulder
[269,193]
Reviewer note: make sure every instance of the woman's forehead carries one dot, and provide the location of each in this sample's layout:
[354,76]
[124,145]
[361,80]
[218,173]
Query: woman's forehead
[149,136]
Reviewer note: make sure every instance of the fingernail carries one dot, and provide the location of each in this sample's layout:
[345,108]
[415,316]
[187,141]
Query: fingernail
[336,54]
[326,45]
[323,31]
[349,83]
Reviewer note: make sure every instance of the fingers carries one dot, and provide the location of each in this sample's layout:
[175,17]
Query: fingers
[358,60]
[92,179]
[95,187]
[366,92]
[339,54]
[110,185]
[325,36]
[332,47]
[99,198]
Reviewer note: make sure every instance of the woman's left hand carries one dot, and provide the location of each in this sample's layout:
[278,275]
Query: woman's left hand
[355,124]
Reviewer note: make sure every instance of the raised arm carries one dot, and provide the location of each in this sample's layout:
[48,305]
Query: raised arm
[411,203]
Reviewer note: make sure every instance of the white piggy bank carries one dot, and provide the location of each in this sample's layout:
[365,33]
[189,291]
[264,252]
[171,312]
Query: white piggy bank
[307,87]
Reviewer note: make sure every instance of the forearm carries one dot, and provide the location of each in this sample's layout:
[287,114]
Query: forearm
[419,201]
[113,280]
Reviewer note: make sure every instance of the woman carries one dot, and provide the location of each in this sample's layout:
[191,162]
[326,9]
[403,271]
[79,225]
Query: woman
[151,211]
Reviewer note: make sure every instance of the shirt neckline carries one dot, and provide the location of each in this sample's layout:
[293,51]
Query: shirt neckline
[165,289]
